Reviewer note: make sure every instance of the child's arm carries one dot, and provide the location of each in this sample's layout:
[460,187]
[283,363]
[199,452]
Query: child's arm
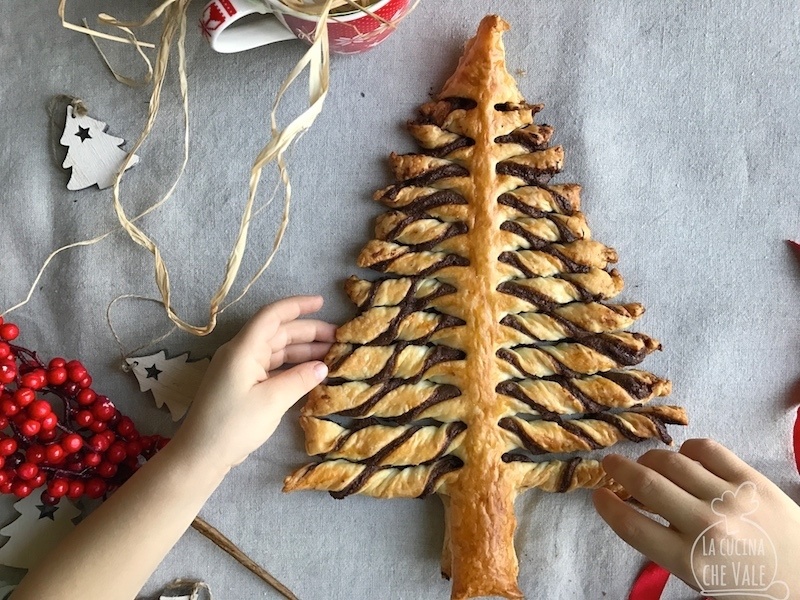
[111,554]
[680,487]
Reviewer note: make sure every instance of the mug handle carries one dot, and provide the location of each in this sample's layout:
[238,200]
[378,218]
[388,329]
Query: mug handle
[218,15]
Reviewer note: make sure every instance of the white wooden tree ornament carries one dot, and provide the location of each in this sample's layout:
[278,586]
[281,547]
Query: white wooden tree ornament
[38,528]
[172,381]
[95,156]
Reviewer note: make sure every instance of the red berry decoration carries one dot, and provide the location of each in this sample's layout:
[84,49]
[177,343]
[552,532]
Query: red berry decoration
[57,433]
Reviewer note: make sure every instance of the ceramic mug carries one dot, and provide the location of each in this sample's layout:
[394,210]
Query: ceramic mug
[270,21]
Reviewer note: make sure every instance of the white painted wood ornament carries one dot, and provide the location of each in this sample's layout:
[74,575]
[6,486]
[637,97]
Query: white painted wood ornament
[94,155]
[38,528]
[172,381]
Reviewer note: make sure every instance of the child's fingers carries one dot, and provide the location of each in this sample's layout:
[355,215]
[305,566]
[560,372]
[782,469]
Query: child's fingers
[685,472]
[263,325]
[656,492]
[719,460]
[287,387]
[302,331]
[652,539]
[298,353]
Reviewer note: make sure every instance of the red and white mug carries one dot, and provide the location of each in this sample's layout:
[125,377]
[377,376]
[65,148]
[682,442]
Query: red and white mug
[271,21]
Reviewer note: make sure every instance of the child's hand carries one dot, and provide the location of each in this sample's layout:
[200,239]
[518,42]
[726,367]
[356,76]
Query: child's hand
[242,398]
[680,486]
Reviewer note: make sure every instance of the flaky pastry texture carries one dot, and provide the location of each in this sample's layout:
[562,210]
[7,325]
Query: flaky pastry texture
[491,354]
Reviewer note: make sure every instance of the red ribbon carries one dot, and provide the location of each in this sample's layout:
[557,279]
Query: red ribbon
[650,583]
[797,441]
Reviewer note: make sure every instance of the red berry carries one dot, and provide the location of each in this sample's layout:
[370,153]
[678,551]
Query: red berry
[75,490]
[35,454]
[86,397]
[106,469]
[76,373]
[30,428]
[75,464]
[49,422]
[95,487]
[8,407]
[55,454]
[27,470]
[103,411]
[110,436]
[98,426]
[116,453]
[39,480]
[92,459]
[5,350]
[46,435]
[70,388]
[3,422]
[9,331]
[85,382]
[98,443]
[56,363]
[24,396]
[125,427]
[133,448]
[8,446]
[56,375]
[58,487]
[35,380]
[84,418]
[8,370]
[21,489]
[71,443]
[49,499]
[39,409]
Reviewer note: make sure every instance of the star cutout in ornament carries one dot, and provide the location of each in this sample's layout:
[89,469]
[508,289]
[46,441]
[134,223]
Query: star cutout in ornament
[153,372]
[83,133]
[47,511]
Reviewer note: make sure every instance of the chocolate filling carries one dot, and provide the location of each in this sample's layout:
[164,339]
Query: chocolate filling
[451,260]
[530,175]
[564,205]
[443,151]
[531,141]
[537,243]
[427,178]
[453,230]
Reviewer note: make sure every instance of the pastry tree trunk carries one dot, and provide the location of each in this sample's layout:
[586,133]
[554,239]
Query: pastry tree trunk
[494,324]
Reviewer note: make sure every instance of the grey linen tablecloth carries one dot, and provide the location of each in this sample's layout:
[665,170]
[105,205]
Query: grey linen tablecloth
[680,119]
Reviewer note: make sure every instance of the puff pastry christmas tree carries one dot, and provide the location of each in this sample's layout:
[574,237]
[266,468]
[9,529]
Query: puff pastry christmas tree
[492,343]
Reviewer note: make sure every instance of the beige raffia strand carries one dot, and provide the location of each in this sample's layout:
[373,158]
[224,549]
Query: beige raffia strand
[317,59]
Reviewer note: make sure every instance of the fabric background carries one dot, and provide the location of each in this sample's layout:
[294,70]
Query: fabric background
[680,119]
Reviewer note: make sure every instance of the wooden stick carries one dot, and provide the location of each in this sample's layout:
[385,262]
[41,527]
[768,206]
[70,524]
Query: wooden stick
[248,563]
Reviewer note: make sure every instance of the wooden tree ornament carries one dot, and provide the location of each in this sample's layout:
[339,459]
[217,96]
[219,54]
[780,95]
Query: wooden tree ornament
[492,343]
[93,155]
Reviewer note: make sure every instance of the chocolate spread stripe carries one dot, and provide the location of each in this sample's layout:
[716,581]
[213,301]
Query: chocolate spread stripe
[568,473]
[431,201]
[616,350]
[453,230]
[427,178]
[451,260]
[512,389]
[437,354]
[443,151]
[439,468]
[530,444]
[532,142]
[440,394]
[530,175]
[564,205]
[409,305]
[633,386]
[544,303]
[443,289]
[570,266]
[511,358]
[537,243]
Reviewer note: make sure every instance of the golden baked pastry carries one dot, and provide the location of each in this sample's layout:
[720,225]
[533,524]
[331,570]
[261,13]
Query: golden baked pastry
[491,342]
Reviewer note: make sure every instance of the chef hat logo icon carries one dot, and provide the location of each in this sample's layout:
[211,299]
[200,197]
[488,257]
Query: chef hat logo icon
[734,556]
